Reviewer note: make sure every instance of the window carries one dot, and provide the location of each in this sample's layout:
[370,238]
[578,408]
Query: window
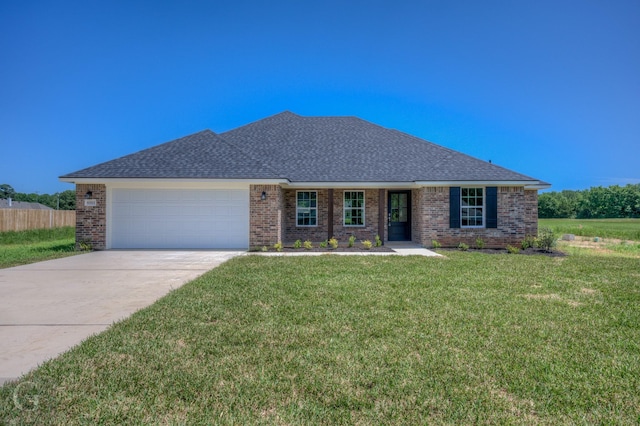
[306,208]
[472,207]
[353,208]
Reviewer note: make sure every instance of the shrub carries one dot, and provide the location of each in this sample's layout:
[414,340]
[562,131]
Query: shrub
[479,243]
[278,246]
[352,241]
[297,244]
[463,247]
[529,241]
[367,244]
[265,248]
[323,244]
[546,239]
[308,245]
[513,250]
[333,243]
[378,241]
[435,244]
[85,245]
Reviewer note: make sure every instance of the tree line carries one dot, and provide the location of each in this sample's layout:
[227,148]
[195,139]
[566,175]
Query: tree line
[593,203]
[65,200]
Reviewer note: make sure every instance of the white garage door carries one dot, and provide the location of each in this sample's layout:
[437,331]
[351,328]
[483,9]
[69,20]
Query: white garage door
[179,218]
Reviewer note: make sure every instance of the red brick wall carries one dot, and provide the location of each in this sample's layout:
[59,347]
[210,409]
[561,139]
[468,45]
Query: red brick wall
[312,233]
[531,212]
[274,219]
[265,216]
[91,222]
[515,213]
[341,232]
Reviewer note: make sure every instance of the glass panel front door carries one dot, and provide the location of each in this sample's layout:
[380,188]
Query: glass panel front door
[399,215]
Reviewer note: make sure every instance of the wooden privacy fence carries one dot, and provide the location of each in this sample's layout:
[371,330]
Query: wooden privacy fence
[23,219]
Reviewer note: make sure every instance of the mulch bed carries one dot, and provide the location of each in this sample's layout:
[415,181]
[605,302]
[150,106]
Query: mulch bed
[529,251]
[340,249]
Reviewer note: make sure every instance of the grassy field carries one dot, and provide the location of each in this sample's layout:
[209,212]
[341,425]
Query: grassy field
[623,229]
[467,339]
[20,248]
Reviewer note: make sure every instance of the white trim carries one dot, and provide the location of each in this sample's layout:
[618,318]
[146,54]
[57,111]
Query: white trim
[479,183]
[314,208]
[364,210]
[177,185]
[164,181]
[347,185]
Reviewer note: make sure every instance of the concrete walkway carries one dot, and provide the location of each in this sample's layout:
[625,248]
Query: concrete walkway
[399,248]
[48,307]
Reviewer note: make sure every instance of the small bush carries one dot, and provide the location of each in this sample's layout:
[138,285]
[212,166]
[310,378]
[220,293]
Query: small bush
[308,245]
[528,242]
[378,241]
[297,244]
[278,246]
[352,240]
[265,248]
[333,243]
[323,244]
[367,244]
[463,247]
[480,243]
[513,249]
[85,245]
[546,239]
[435,244]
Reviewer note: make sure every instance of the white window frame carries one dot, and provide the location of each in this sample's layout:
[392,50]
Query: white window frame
[345,208]
[469,207]
[307,210]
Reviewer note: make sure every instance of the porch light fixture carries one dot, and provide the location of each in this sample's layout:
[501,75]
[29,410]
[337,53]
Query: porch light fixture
[263,196]
[88,195]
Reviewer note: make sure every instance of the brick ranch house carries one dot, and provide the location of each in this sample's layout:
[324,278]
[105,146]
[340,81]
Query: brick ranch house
[288,177]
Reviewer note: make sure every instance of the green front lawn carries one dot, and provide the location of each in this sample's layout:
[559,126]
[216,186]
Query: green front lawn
[21,248]
[471,338]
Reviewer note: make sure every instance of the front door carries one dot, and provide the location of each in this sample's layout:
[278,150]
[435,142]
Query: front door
[399,216]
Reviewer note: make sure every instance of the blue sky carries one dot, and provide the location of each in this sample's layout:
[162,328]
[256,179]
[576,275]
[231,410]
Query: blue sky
[547,88]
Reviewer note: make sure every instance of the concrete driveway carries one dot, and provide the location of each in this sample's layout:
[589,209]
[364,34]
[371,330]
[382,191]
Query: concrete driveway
[48,307]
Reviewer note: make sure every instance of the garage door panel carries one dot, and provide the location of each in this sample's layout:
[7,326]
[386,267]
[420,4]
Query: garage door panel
[158,218]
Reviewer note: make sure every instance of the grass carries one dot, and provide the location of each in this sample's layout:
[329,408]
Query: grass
[20,248]
[623,229]
[471,338]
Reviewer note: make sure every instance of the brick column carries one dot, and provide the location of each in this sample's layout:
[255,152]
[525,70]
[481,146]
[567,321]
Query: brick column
[91,221]
[531,212]
[265,216]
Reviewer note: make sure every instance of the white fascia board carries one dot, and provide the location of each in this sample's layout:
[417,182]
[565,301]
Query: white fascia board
[529,184]
[538,186]
[174,183]
[350,185]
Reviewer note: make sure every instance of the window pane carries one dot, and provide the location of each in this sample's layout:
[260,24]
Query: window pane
[353,208]
[306,208]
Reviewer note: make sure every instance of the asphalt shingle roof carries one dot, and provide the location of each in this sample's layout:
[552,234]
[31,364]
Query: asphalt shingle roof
[22,205]
[202,155]
[304,149]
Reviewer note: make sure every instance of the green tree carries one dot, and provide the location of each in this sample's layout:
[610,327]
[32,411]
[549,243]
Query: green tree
[7,191]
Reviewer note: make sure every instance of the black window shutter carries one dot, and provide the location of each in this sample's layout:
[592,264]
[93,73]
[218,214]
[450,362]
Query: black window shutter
[454,207]
[492,207]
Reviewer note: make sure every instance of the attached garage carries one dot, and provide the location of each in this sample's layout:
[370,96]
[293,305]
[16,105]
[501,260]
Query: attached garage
[179,218]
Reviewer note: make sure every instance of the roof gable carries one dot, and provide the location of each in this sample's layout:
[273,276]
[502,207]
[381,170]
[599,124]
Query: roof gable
[202,155]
